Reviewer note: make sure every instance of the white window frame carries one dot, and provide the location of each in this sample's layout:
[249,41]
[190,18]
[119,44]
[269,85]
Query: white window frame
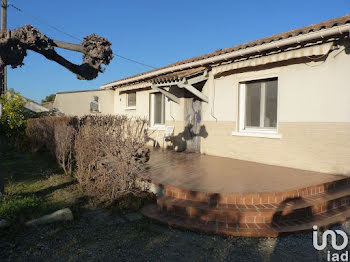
[127,102]
[254,131]
[154,125]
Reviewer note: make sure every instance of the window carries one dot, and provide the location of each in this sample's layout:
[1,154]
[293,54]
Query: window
[158,109]
[131,102]
[258,105]
[94,106]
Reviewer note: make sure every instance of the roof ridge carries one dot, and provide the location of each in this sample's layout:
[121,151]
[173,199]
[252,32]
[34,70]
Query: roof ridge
[291,33]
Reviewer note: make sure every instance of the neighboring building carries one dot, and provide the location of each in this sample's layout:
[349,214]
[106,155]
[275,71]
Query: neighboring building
[79,103]
[48,105]
[34,107]
[281,100]
[30,106]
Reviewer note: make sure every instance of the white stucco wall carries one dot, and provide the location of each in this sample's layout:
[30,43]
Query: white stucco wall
[313,115]
[78,103]
[173,111]
[312,92]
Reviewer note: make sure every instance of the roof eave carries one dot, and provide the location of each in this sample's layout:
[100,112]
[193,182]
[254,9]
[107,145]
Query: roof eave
[312,36]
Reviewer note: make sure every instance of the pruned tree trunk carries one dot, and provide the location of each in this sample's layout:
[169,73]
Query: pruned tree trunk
[14,44]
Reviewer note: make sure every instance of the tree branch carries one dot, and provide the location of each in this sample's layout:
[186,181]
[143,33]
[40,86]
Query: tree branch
[14,44]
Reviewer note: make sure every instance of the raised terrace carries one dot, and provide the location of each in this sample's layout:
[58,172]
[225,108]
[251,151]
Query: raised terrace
[241,198]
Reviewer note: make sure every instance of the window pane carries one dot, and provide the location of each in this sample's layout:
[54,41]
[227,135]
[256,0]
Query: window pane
[270,104]
[158,109]
[132,99]
[252,110]
[94,108]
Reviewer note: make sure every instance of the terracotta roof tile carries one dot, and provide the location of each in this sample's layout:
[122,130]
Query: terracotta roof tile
[178,75]
[303,30]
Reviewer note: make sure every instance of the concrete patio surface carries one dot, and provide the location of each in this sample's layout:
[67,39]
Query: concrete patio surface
[194,171]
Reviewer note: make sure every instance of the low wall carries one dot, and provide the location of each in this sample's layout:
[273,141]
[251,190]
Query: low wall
[78,103]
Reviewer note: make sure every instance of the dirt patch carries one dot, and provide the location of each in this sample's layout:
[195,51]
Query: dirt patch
[99,235]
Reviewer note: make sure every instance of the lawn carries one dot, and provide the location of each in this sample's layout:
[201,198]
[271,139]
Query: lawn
[34,186]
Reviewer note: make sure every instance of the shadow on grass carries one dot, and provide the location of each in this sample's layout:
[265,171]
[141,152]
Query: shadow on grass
[34,186]
[47,191]
[25,167]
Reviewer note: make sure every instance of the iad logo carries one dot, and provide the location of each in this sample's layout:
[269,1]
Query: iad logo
[335,256]
[333,239]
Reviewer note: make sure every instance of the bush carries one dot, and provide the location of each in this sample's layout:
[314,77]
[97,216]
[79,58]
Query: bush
[110,155]
[108,152]
[41,132]
[12,120]
[64,151]
[56,135]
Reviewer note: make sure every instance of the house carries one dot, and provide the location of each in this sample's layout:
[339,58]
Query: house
[282,100]
[271,118]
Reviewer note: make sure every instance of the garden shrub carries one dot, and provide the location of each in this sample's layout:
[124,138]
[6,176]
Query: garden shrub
[55,135]
[105,153]
[110,155]
[12,120]
[41,132]
[64,147]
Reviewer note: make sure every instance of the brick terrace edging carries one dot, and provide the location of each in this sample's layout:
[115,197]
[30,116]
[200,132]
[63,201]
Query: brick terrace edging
[249,198]
[325,220]
[253,215]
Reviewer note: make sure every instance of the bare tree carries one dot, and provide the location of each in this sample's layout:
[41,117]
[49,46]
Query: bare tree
[14,44]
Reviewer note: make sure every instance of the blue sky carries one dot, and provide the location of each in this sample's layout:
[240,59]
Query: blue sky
[153,32]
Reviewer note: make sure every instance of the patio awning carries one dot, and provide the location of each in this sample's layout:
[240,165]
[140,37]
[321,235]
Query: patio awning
[190,76]
[310,51]
[182,79]
[134,86]
[178,76]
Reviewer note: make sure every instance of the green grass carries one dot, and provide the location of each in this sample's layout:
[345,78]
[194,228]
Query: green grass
[12,208]
[34,186]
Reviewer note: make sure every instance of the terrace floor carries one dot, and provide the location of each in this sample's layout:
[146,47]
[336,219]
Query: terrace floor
[241,198]
[206,173]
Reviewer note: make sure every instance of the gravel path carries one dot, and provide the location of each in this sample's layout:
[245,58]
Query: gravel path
[101,236]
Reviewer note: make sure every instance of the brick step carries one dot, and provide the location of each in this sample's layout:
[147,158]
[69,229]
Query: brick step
[262,213]
[322,220]
[252,198]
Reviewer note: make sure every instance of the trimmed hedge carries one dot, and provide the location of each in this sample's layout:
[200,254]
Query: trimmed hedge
[105,153]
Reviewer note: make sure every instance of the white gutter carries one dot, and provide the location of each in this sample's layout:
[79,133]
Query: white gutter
[276,44]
